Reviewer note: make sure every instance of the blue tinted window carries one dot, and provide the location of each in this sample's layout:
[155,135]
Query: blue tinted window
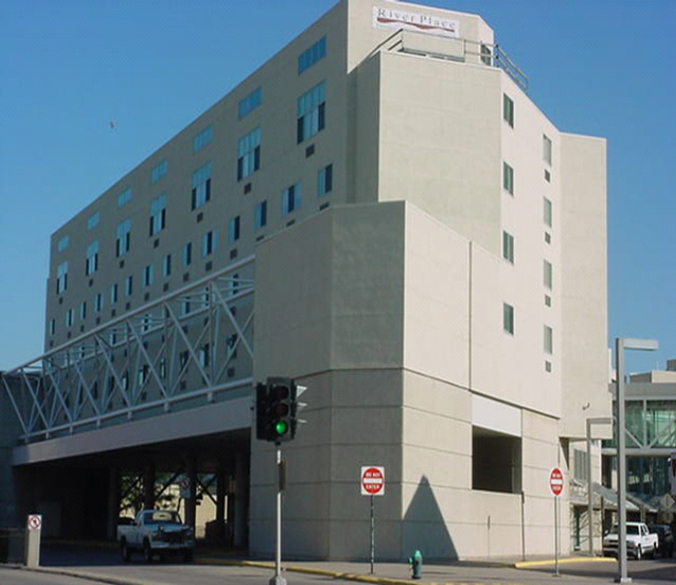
[249,103]
[309,57]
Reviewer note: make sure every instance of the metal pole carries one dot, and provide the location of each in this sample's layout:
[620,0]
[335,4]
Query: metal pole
[523,525]
[590,500]
[373,536]
[556,536]
[621,465]
[278,579]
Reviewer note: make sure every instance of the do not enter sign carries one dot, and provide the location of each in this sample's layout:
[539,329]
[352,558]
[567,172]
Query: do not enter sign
[556,481]
[372,481]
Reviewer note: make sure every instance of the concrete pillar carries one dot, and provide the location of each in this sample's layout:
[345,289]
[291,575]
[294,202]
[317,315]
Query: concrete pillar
[191,502]
[241,499]
[149,486]
[113,502]
[221,490]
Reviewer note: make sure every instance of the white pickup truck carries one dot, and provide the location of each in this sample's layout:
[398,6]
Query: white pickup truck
[639,541]
[156,532]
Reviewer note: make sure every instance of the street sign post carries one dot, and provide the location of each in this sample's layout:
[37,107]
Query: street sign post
[556,487]
[372,482]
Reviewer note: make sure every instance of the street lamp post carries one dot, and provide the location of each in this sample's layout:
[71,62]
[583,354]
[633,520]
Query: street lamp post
[590,494]
[620,345]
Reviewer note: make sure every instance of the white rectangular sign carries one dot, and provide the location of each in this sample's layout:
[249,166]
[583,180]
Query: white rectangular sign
[424,23]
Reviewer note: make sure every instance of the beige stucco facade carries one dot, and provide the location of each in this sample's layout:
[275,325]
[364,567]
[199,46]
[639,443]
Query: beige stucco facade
[387,297]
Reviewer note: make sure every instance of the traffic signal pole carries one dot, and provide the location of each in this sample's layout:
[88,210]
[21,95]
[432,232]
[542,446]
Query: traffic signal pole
[278,579]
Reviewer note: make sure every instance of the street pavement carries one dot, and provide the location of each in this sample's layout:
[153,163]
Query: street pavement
[211,567]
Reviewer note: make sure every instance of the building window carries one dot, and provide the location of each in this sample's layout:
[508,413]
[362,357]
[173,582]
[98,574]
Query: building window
[508,247]
[233,285]
[92,263]
[158,171]
[508,109]
[204,355]
[508,318]
[113,294]
[261,214]
[233,229]
[98,303]
[202,139]
[325,180]
[93,220]
[123,237]
[310,56]
[548,274]
[186,254]
[249,154]
[548,339]
[249,103]
[148,275]
[209,243]
[61,277]
[63,243]
[508,178]
[129,286]
[166,266]
[201,186]
[547,212]
[52,327]
[124,198]
[83,310]
[291,199]
[547,149]
[311,113]
[486,55]
[69,318]
[158,214]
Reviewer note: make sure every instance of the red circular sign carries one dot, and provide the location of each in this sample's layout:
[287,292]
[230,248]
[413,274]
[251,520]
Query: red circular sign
[372,480]
[556,481]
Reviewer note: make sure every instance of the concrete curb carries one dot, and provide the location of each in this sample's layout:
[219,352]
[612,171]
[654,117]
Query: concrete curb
[566,561]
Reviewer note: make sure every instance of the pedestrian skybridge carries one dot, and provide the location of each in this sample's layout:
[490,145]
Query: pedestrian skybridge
[189,349]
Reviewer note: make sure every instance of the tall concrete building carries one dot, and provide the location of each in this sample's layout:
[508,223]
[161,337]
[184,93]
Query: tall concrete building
[382,213]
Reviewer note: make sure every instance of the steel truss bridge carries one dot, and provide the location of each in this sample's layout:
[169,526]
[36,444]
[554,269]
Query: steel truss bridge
[191,347]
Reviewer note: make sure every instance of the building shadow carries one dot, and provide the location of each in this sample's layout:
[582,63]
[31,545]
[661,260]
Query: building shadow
[424,527]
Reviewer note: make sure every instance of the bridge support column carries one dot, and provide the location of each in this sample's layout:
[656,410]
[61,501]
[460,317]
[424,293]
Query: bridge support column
[241,499]
[113,502]
[149,486]
[191,501]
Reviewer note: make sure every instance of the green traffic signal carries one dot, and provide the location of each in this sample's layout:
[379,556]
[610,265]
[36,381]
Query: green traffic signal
[281,427]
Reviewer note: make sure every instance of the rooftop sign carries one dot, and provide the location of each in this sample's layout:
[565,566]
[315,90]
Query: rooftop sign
[424,23]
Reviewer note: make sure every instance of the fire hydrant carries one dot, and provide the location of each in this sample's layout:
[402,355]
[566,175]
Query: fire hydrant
[416,562]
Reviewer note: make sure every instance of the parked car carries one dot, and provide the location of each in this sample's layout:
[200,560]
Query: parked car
[639,541]
[156,532]
[665,539]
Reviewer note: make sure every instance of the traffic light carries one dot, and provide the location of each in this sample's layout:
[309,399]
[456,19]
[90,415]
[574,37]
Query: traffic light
[282,409]
[276,408]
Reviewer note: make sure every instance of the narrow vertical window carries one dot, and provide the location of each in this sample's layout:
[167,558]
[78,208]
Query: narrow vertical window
[113,294]
[547,149]
[508,246]
[508,109]
[83,310]
[69,318]
[166,266]
[548,339]
[61,277]
[158,213]
[508,178]
[201,186]
[92,261]
[233,229]
[261,214]
[547,212]
[98,303]
[311,113]
[123,238]
[209,243]
[508,318]
[548,274]
[249,154]
[129,285]
[148,275]
[291,199]
[186,254]
[325,180]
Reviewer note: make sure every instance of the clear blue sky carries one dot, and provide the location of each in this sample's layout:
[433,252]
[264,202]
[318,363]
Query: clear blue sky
[69,67]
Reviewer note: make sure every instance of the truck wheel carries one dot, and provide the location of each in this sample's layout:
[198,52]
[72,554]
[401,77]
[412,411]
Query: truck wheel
[147,551]
[124,549]
[638,553]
